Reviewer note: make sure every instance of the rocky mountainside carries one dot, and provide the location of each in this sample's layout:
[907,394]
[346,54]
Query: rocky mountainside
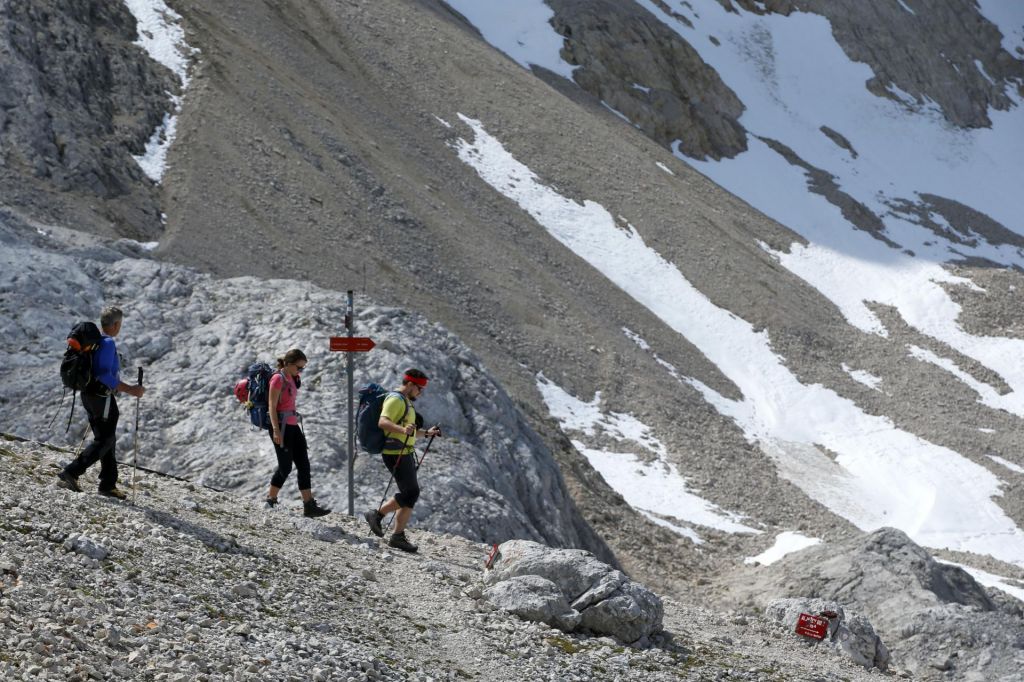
[491,478]
[927,602]
[193,584]
[77,100]
[482,211]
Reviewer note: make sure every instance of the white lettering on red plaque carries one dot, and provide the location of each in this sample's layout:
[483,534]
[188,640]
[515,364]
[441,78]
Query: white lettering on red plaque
[811,626]
[359,344]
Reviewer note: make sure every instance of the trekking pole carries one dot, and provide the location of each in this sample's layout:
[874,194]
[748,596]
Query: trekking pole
[135,458]
[397,462]
[418,463]
[425,451]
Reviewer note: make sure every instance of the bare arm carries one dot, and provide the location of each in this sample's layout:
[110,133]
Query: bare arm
[273,396]
[130,389]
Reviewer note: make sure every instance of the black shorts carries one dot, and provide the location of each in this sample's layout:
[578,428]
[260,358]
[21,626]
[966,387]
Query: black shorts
[404,469]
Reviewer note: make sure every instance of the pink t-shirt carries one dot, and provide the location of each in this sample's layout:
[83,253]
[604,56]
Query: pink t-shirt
[286,403]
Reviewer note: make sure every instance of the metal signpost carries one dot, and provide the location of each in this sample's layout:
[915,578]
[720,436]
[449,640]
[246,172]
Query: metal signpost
[351,344]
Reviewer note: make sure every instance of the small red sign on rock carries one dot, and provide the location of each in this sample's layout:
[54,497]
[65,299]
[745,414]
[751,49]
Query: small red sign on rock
[811,626]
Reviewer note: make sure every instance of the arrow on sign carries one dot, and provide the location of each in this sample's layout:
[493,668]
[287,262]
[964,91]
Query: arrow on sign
[359,344]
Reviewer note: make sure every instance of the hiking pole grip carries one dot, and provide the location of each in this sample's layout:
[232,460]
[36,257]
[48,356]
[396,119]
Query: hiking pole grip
[139,382]
[430,442]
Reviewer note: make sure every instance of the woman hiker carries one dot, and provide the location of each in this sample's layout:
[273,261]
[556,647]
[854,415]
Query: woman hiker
[289,441]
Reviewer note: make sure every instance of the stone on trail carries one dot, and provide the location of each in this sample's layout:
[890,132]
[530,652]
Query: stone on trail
[849,635]
[570,589]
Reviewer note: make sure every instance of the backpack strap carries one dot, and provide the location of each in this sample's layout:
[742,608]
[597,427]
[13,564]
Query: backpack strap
[405,402]
[284,414]
[389,441]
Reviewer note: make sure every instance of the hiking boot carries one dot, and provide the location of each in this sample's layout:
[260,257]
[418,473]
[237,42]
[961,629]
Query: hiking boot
[270,503]
[399,541]
[313,510]
[374,517]
[69,482]
[115,493]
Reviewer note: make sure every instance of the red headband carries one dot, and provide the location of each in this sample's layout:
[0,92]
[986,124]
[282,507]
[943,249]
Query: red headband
[419,381]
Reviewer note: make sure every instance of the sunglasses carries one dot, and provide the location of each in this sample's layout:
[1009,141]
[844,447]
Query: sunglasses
[298,368]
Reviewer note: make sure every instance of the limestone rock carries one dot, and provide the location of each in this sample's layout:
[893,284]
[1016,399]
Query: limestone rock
[850,635]
[916,604]
[638,66]
[86,546]
[534,598]
[61,65]
[540,583]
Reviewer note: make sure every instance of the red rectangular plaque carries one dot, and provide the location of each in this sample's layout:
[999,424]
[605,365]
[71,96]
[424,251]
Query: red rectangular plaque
[811,626]
[352,343]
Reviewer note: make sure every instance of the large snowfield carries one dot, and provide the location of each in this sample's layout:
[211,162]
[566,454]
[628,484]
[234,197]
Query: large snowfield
[793,78]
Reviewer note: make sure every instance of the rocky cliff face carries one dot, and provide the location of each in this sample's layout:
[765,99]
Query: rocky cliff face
[944,52]
[632,62]
[928,605]
[77,98]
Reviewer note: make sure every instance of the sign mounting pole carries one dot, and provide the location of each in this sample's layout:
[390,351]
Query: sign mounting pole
[351,344]
[351,417]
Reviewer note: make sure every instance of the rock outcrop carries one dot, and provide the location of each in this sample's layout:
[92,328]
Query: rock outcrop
[638,66]
[570,589]
[944,52]
[918,606]
[77,99]
[849,635]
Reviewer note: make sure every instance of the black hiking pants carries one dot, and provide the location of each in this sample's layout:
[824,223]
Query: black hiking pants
[104,439]
[292,449]
[404,469]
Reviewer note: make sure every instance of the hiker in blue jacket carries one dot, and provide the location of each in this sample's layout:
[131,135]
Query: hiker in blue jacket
[101,404]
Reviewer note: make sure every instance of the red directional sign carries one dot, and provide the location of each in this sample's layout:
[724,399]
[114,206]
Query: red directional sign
[358,344]
[812,626]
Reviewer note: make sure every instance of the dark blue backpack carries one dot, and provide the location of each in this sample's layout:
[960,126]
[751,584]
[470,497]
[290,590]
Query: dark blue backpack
[259,394]
[371,400]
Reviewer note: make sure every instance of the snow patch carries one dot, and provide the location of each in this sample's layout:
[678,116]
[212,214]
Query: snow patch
[906,7]
[1009,19]
[907,149]
[575,415]
[1009,465]
[785,543]
[863,377]
[521,29]
[161,36]
[654,488]
[859,465]
[986,394]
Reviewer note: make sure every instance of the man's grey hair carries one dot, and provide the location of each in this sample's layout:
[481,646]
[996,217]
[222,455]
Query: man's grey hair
[110,316]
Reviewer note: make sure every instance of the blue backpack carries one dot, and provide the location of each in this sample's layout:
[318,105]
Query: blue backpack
[259,394]
[371,401]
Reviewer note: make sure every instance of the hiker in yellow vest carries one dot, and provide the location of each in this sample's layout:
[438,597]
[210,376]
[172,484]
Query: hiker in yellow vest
[398,421]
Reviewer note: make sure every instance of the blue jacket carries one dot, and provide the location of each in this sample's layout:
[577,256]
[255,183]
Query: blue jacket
[106,366]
